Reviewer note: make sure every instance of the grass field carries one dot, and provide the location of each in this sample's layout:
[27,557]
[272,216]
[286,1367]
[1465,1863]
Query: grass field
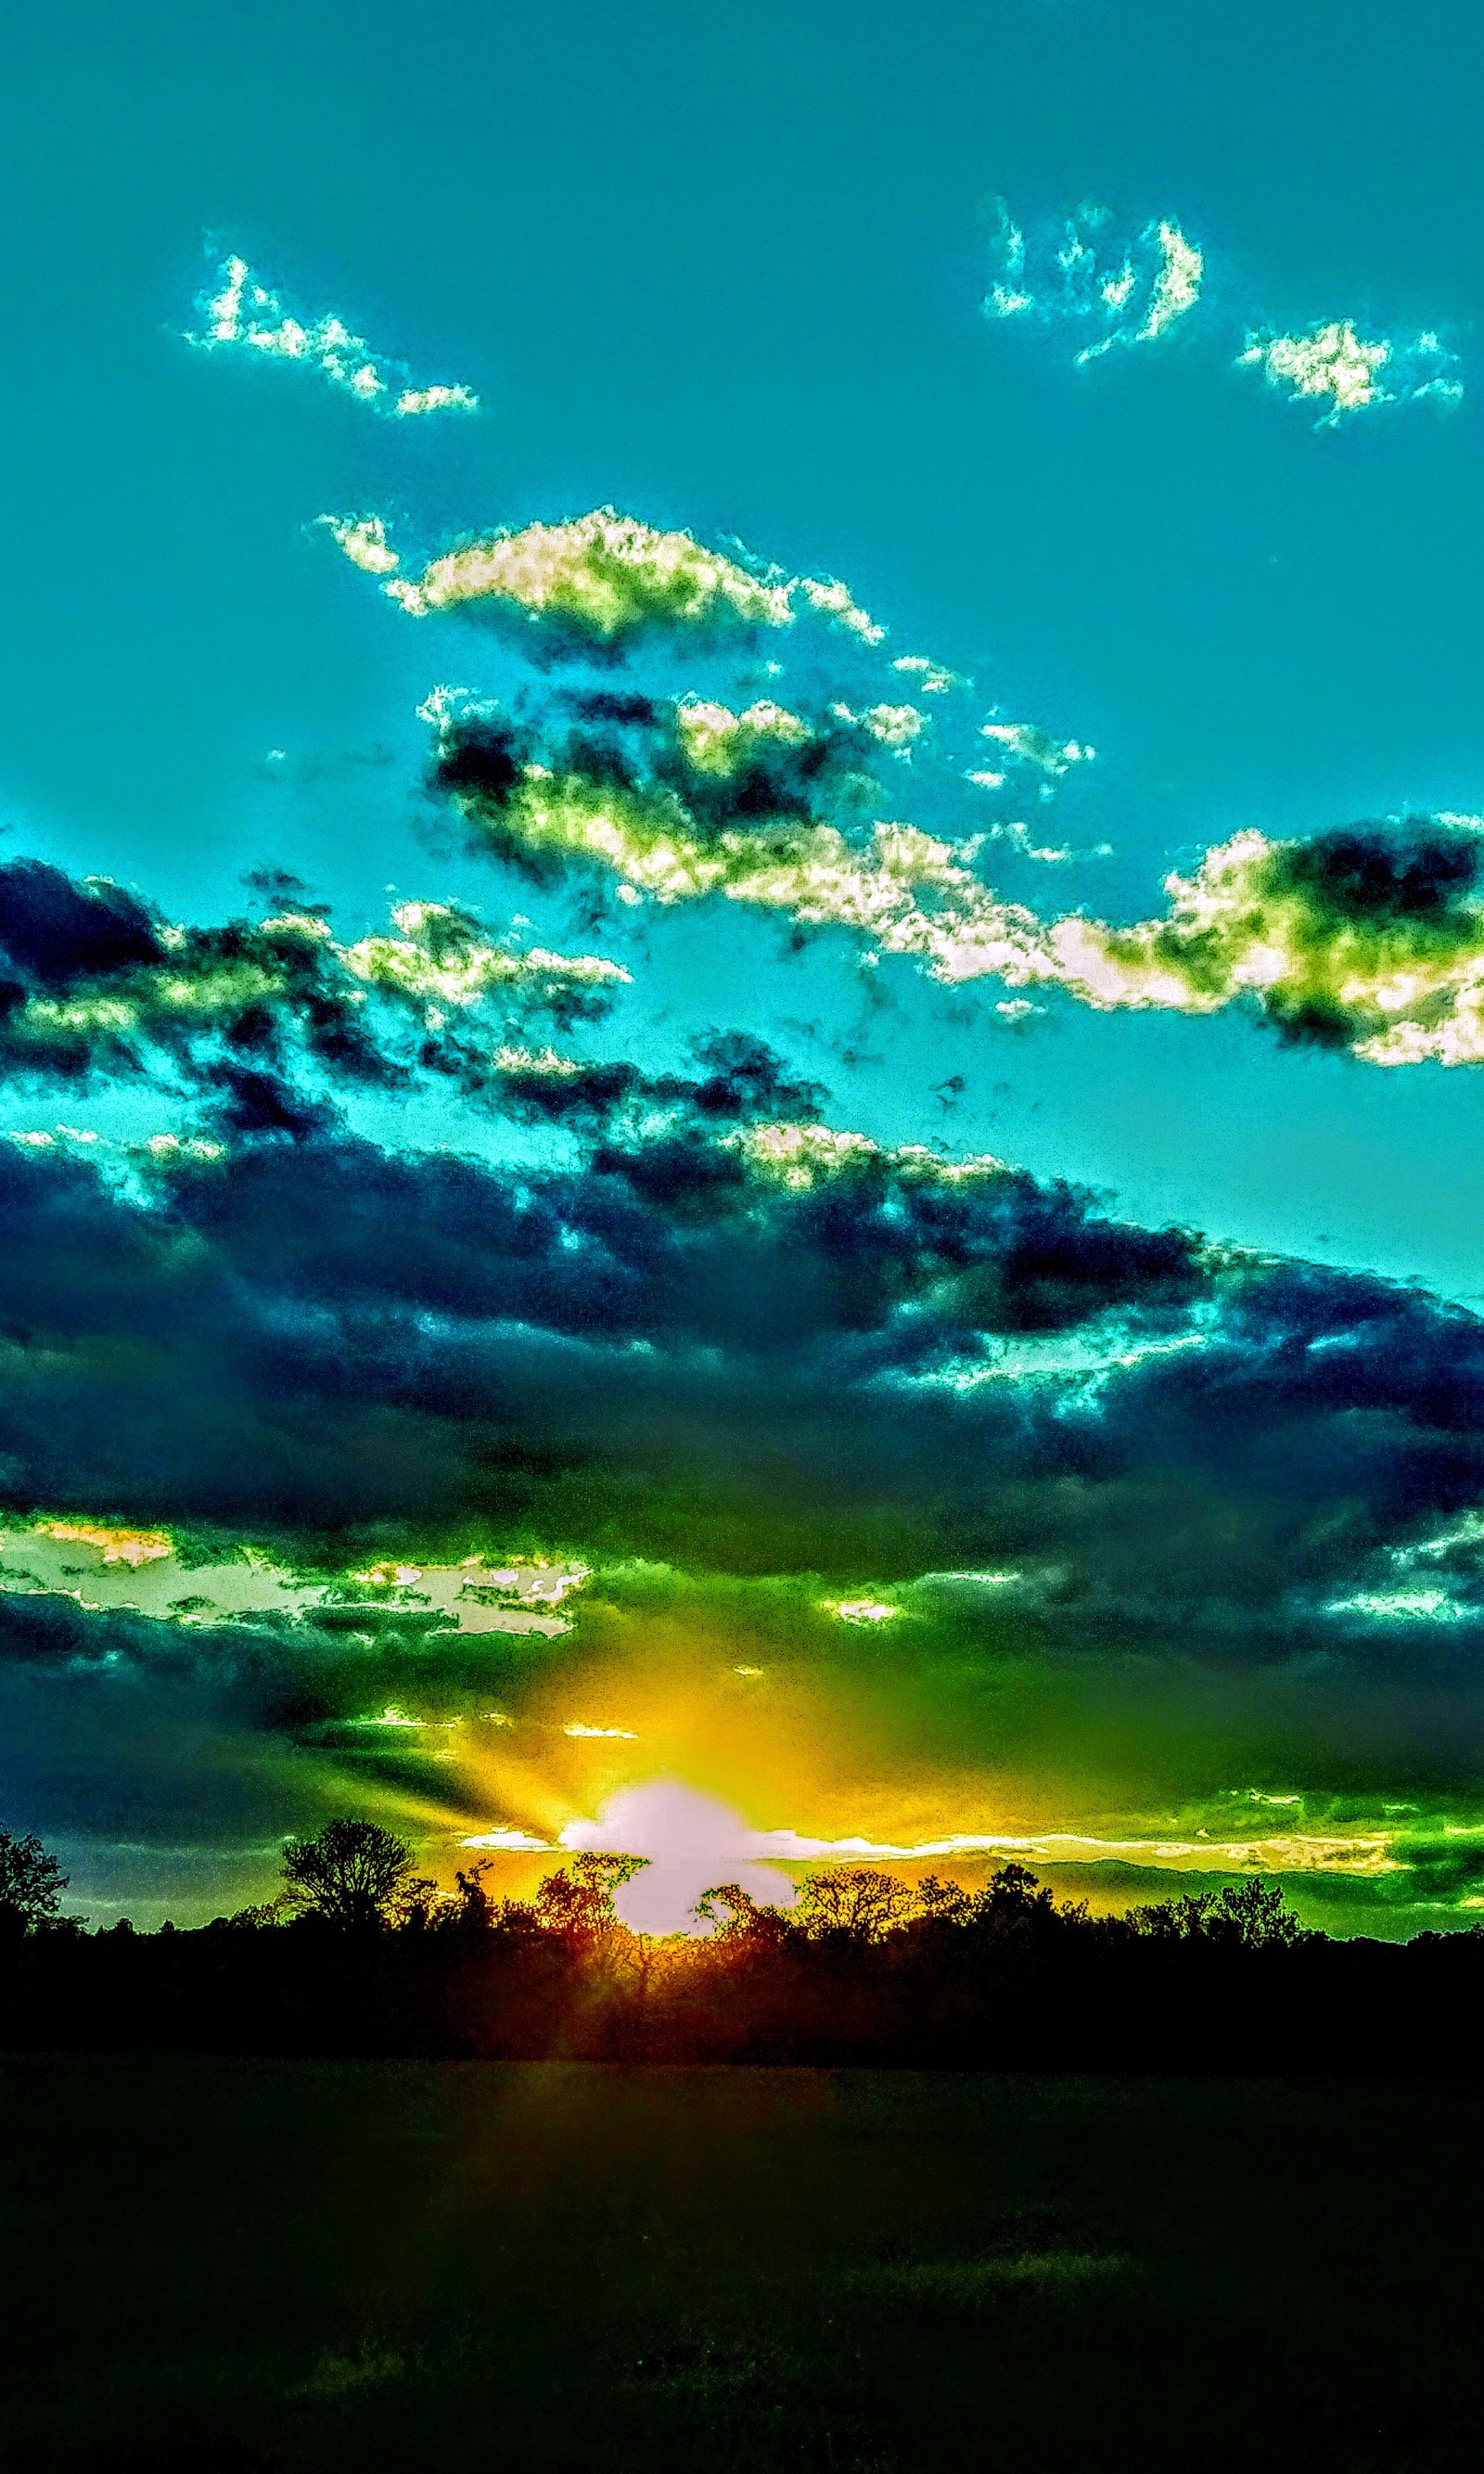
[223,2266]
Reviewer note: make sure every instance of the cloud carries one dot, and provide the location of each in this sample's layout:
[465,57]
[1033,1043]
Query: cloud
[150,1572]
[96,985]
[245,316]
[932,678]
[693,1427]
[1027,743]
[670,833]
[599,584]
[1369,938]
[1332,364]
[1130,1498]
[1076,273]
[874,1362]
[363,539]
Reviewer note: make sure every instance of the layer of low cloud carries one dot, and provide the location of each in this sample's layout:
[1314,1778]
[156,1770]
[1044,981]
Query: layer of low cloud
[244,315]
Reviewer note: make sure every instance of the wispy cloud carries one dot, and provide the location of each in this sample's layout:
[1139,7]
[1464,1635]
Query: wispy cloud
[1334,365]
[1077,273]
[244,315]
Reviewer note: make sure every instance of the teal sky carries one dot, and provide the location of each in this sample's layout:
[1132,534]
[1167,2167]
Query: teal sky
[1032,1519]
[723,269]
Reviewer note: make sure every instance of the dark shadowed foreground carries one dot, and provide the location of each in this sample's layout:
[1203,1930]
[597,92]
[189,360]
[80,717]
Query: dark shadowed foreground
[235,2264]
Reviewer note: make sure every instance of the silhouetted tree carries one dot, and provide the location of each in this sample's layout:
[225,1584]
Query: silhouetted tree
[851,1900]
[470,1909]
[943,1902]
[579,1899]
[354,1874]
[1246,1915]
[31,1882]
[734,1916]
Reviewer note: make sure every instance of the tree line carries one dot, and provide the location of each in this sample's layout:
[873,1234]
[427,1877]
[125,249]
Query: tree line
[358,1954]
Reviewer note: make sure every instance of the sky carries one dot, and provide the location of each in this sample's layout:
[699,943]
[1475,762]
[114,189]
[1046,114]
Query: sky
[824,1076]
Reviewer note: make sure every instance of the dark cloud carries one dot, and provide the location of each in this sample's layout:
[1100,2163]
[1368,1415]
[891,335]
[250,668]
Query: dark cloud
[97,985]
[713,770]
[1418,874]
[705,1329]
[55,935]
[666,1345]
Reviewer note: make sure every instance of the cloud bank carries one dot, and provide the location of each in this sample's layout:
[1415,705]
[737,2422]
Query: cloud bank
[958,1475]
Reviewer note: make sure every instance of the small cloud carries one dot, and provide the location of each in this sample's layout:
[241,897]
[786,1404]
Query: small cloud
[509,1841]
[1404,1606]
[932,678]
[622,1734]
[895,726]
[363,539]
[1335,366]
[1177,285]
[244,315]
[860,1611]
[1072,274]
[1027,743]
[435,399]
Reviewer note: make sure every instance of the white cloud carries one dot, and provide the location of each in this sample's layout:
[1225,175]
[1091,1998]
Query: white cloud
[1077,274]
[932,678]
[1334,365]
[363,539]
[895,726]
[103,1567]
[607,578]
[247,316]
[414,401]
[1029,744]
[1177,285]
[691,1842]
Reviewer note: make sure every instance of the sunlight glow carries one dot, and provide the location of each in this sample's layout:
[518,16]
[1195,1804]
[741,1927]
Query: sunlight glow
[691,1843]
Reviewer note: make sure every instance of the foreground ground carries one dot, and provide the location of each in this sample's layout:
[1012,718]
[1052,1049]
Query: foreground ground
[304,2266]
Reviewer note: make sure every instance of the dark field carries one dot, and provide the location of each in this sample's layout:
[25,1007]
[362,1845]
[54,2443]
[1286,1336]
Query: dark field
[321,2265]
